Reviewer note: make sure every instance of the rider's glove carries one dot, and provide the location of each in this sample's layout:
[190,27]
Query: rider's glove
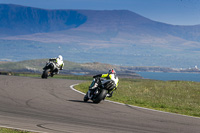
[99,75]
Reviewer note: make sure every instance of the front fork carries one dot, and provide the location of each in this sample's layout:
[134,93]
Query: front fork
[92,93]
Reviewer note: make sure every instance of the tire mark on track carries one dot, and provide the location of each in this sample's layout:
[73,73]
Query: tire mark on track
[44,127]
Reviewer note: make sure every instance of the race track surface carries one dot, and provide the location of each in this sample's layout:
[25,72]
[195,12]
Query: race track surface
[49,105]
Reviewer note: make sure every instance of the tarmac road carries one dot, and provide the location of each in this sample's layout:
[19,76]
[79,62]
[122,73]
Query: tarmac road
[49,105]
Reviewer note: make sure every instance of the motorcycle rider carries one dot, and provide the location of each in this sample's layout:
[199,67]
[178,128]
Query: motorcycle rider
[111,75]
[58,63]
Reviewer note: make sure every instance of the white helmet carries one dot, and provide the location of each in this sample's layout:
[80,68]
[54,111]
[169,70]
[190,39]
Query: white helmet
[60,57]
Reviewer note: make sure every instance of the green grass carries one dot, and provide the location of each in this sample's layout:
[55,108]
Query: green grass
[6,130]
[182,97]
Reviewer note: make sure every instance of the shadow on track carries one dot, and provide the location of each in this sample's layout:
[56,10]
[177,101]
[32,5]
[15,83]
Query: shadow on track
[79,101]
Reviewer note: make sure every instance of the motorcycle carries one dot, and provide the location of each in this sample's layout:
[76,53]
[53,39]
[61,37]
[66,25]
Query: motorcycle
[98,90]
[49,69]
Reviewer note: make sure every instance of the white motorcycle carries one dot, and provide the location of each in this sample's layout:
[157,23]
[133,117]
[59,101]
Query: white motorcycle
[49,69]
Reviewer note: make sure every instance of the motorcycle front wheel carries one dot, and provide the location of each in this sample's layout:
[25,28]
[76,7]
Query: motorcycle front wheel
[45,74]
[85,99]
[100,97]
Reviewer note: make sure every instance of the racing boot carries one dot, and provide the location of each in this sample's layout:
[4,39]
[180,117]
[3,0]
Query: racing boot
[109,94]
[52,74]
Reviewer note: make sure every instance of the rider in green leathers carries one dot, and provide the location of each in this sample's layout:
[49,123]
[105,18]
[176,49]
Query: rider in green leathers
[111,75]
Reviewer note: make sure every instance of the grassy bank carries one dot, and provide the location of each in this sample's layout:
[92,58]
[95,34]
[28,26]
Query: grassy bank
[6,130]
[180,97]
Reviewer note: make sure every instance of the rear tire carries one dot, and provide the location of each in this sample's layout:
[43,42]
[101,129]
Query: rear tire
[100,97]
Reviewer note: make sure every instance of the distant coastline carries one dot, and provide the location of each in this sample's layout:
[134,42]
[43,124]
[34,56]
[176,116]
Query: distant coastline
[73,68]
[170,76]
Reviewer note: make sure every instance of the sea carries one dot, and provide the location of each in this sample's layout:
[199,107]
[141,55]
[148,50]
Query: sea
[170,76]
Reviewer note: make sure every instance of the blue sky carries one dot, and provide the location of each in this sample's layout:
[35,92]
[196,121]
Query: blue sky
[176,12]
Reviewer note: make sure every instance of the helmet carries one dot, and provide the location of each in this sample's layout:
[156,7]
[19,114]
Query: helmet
[60,57]
[111,71]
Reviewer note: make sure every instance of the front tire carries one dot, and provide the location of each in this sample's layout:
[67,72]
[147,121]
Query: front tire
[45,74]
[85,99]
[100,97]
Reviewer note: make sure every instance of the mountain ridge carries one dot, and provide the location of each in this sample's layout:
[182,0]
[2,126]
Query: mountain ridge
[88,35]
[20,19]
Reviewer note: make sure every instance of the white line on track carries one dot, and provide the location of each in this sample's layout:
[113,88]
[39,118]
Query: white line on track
[72,87]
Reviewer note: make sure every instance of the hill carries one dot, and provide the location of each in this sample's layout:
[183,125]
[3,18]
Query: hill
[72,68]
[115,37]
[35,66]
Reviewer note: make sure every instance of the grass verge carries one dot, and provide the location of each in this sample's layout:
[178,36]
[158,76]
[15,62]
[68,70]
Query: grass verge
[182,97]
[7,130]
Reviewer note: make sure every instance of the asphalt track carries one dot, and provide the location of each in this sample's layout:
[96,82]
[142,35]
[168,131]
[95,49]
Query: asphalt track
[51,106]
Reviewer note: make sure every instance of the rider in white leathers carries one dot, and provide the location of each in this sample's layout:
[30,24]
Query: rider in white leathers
[58,63]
